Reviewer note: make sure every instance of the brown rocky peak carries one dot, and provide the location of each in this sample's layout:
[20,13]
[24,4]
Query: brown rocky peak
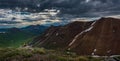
[100,37]
[60,36]
[103,38]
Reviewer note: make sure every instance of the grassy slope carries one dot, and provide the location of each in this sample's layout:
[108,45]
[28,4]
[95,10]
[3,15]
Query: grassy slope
[41,54]
[37,54]
[14,39]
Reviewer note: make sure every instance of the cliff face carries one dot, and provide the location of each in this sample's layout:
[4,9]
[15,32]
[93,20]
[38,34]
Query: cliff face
[101,37]
[61,36]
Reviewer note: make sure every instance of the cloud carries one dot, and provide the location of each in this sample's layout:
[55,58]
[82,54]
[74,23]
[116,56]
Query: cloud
[10,18]
[87,1]
[76,7]
[82,8]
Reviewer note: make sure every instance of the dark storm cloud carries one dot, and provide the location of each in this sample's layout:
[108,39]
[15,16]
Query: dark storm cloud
[77,7]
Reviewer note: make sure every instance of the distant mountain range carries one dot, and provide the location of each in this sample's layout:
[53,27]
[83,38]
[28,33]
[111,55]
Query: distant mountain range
[100,37]
[15,37]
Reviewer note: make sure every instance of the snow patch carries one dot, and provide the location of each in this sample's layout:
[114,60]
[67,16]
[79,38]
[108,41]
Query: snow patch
[93,54]
[82,33]
[93,23]
[47,34]
[57,34]
[75,39]
[79,35]
[108,51]
[88,29]
[95,50]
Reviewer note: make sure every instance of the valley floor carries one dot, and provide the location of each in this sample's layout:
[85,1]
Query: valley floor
[41,54]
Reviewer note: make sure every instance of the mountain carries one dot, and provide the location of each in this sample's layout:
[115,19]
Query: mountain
[36,29]
[100,37]
[60,36]
[15,37]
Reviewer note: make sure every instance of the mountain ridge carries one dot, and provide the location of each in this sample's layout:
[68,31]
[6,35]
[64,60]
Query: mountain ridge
[105,31]
[62,35]
[100,37]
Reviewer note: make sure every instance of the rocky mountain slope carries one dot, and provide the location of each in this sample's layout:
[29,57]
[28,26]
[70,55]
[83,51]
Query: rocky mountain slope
[103,38]
[100,37]
[60,36]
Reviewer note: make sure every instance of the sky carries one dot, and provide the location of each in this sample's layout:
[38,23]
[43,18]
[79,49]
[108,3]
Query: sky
[81,8]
